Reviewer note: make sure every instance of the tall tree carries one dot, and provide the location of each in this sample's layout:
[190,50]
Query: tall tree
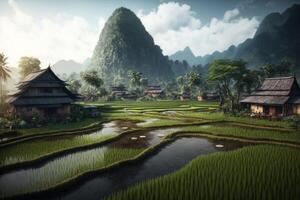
[28,65]
[135,78]
[4,73]
[92,78]
[193,79]
[228,76]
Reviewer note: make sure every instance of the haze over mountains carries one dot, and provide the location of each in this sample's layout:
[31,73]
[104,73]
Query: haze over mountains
[277,38]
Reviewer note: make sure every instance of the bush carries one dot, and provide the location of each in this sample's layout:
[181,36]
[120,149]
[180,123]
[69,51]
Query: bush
[294,121]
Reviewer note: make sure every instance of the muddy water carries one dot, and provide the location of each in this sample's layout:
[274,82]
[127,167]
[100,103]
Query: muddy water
[168,159]
[6,136]
[53,170]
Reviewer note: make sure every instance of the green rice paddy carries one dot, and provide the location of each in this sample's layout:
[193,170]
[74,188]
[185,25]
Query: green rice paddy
[259,172]
[64,168]
[256,172]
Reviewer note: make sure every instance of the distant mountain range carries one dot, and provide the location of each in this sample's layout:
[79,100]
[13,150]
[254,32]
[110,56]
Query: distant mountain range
[69,66]
[277,38]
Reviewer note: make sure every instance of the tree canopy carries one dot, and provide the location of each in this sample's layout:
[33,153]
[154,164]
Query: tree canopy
[28,65]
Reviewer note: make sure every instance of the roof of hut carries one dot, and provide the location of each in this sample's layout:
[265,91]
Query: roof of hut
[274,91]
[45,78]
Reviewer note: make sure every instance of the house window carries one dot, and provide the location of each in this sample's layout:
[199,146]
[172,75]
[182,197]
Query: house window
[45,90]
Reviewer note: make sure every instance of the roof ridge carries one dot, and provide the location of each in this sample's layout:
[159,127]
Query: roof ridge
[286,77]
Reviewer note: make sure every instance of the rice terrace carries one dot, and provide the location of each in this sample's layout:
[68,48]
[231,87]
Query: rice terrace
[149,100]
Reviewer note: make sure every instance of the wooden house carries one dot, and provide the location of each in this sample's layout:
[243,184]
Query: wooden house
[41,94]
[154,91]
[118,91]
[185,96]
[276,97]
[209,96]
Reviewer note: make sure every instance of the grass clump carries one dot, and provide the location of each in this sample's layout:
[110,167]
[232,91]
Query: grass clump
[257,172]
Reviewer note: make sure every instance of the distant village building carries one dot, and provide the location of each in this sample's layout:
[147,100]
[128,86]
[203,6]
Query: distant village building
[118,91]
[209,96]
[276,97]
[41,94]
[154,91]
[185,96]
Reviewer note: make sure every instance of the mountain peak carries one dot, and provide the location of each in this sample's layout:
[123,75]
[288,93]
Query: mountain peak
[124,44]
[188,50]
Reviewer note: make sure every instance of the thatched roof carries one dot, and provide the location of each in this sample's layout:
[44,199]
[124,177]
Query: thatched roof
[41,79]
[272,100]
[274,91]
[278,84]
[156,89]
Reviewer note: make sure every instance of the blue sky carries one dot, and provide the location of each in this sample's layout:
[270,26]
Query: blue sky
[69,29]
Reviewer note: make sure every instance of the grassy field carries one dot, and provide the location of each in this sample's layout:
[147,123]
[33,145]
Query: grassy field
[259,172]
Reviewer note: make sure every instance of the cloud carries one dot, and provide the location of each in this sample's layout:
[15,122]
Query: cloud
[231,14]
[175,26]
[49,39]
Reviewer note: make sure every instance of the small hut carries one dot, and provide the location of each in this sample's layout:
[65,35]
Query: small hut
[276,97]
[118,91]
[154,91]
[185,96]
[209,96]
[42,94]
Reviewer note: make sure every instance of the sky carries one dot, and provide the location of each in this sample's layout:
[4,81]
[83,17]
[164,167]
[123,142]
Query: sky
[69,29]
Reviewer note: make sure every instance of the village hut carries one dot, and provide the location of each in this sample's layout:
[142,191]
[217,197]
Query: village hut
[277,97]
[185,96]
[154,91]
[41,94]
[208,96]
[118,91]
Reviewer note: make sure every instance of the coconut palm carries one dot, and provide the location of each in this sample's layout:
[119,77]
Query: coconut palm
[4,73]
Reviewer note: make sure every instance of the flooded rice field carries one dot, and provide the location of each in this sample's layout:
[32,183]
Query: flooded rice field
[168,159]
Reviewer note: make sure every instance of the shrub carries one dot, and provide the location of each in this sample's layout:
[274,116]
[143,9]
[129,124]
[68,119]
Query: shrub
[294,121]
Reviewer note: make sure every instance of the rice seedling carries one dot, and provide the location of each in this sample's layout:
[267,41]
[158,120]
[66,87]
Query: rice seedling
[257,172]
[61,169]
[225,117]
[34,149]
[253,133]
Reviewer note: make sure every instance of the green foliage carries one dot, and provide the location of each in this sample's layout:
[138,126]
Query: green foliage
[257,172]
[229,78]
[92,78]
[4,75]
[28,65]
[294,121]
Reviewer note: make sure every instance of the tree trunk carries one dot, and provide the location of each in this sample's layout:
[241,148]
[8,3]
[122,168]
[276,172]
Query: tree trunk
[1,93]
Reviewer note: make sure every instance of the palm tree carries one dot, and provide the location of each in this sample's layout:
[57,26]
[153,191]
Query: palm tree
[4,73]
[135,78]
